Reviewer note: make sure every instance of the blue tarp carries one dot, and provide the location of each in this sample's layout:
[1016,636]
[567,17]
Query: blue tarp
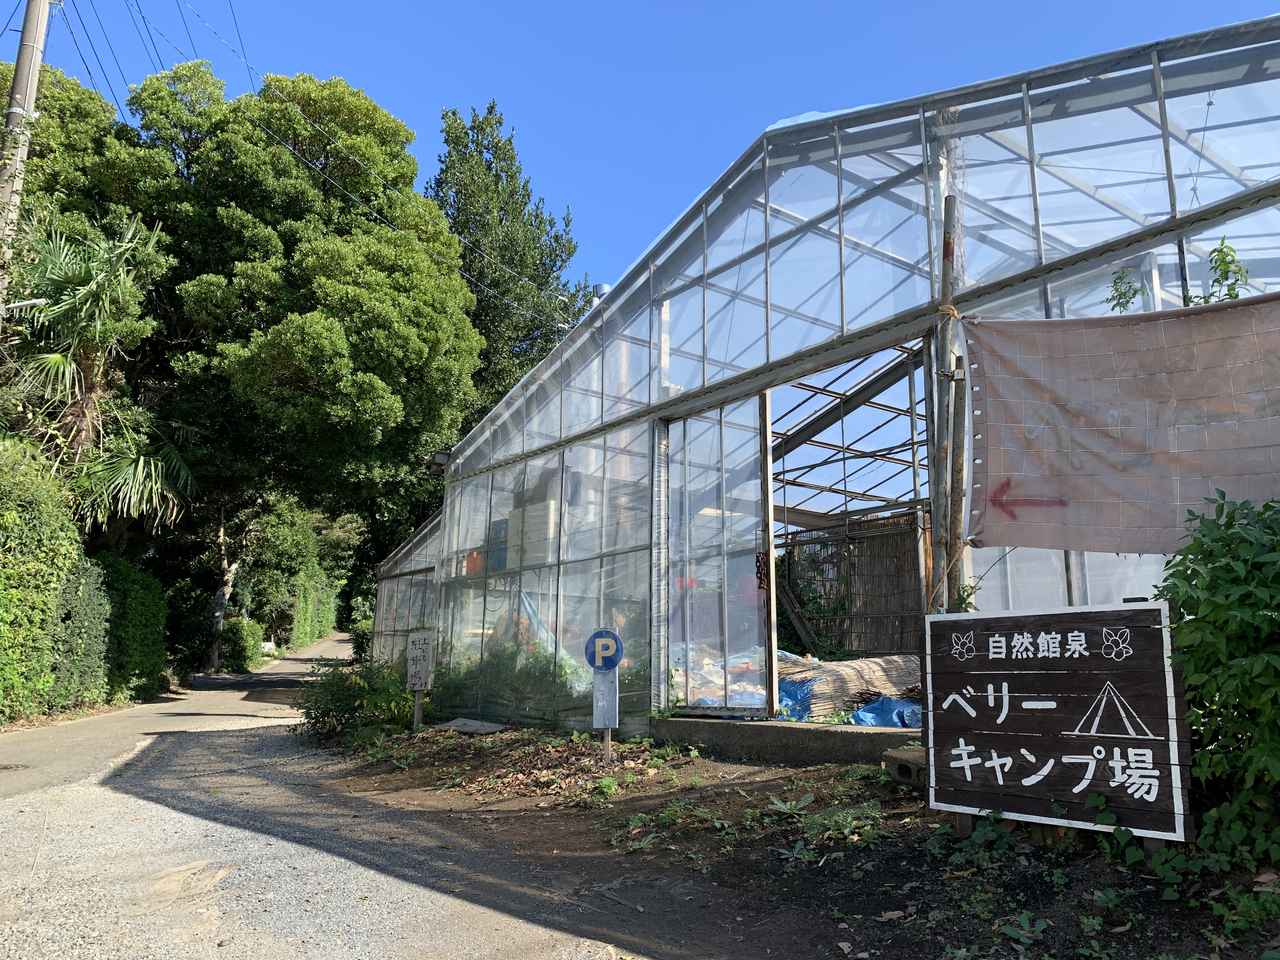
[793,698]
[889,712]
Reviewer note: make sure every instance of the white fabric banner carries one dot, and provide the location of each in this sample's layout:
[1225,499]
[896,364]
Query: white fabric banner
[1100,434]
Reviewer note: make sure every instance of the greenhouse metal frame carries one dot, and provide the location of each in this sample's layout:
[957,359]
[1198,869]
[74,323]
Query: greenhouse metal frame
[760,372]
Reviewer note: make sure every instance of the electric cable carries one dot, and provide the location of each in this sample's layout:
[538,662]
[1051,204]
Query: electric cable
[93,48]
[159,61]
[187,27]
[141,38]
[243,51]
[8,23]
[92,82]
[364,203]
[542,291]
[110,46]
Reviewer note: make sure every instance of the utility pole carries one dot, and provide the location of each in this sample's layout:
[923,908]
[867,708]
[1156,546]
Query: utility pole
[17,123]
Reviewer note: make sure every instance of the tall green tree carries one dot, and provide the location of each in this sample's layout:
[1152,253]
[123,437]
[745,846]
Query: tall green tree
[514,251]
[308,331]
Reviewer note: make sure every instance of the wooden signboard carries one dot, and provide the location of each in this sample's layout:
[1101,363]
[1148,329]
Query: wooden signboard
[419,657]
[1029,714]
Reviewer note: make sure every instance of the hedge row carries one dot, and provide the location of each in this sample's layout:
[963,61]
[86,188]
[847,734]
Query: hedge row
[39,549]
[241,645]
[315,609]
[74,631]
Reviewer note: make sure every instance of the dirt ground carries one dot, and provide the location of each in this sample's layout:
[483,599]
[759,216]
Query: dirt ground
[871,869]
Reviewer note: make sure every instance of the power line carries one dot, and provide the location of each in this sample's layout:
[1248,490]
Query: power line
[93,48]
[159,60]
[540,291]
[185,26]
[92,82]
[8,23]
[110,46]
[239,36]
[141,38]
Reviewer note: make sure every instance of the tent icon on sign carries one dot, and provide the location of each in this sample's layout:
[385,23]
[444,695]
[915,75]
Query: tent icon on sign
[1111,716]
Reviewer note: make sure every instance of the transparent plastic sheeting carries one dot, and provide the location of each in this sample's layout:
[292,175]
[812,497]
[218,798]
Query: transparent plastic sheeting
[535,557]
[819,230]
[1043,165]
[716,625]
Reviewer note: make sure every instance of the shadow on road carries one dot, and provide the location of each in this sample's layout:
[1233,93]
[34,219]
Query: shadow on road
[271,781]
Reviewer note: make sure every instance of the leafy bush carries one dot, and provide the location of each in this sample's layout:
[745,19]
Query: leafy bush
[1223,590]
[39,547]
[346,702]
[361,637]
[315,606]
[241,645]
[285,586]
[136,648]
[79,635]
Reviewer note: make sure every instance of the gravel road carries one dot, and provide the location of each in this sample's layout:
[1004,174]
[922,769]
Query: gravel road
[203,826]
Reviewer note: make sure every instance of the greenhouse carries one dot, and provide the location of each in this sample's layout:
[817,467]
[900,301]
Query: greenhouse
[734,443]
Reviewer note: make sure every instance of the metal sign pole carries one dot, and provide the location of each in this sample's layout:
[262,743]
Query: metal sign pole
[603,655]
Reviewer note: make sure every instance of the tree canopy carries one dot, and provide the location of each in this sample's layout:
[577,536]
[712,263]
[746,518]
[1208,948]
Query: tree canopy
[256,324]
[515,252]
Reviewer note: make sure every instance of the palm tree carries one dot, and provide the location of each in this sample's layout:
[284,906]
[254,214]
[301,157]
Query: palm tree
[91,316]
[86,316]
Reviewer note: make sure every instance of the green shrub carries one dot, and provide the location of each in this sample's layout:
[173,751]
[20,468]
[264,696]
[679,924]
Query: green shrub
[314,606]
[361,637]
[39,547]
[241,645]
[1223,590]
[285,587]
[79,634]
[136,647]
[346,702]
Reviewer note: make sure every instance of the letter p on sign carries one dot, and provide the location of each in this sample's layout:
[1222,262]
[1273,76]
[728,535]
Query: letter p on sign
[604,650]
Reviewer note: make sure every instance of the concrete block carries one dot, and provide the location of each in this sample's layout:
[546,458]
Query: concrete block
[907,765]
[780,741]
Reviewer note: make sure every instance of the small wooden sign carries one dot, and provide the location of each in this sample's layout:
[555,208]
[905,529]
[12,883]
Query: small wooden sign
[1030,714]
[419,657]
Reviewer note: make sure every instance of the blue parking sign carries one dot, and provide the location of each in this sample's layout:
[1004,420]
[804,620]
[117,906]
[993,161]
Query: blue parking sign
[604,650]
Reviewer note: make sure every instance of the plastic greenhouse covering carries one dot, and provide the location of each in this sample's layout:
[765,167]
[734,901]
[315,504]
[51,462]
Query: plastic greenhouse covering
[636,479]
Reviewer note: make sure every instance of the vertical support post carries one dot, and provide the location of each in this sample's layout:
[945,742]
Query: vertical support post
[940,446]
[660,580]
[915,487]
[417,710]
[926,182]
[766,550]
[706,319]
[17,122]
[844,320]
[768,268]
[955,517]
[1033,162]
[1157,76]
[937,487]
[608,745]
[724,560]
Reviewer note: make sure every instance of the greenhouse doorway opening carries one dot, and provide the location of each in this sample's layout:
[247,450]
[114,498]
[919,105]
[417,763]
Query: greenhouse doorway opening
[849,480]
[720,637]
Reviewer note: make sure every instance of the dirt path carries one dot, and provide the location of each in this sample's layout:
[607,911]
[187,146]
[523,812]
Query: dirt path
[203,826]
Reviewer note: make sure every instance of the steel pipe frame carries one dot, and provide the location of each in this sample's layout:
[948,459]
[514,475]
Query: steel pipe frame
[1205,42]
[912,323]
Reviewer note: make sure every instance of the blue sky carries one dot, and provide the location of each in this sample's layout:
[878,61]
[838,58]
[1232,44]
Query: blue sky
[625,112]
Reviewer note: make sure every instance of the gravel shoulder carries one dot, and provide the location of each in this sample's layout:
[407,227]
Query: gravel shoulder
[206,827]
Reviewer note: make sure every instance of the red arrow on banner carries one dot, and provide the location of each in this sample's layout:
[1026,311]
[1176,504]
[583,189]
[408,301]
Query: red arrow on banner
[1001,500]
